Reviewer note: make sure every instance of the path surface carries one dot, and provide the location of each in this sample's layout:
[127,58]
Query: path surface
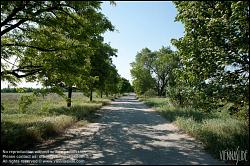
[129,132]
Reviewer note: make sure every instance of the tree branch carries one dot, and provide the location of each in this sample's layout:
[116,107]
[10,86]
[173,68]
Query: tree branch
[13,64]
[26,19]
[15,73]
[12,27]
[12,14]
[35,47]
[72,17]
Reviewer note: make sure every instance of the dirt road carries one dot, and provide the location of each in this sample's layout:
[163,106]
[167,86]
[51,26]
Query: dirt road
[128,132]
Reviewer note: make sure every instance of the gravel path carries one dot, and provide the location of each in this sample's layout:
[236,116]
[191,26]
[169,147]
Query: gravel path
[128,132]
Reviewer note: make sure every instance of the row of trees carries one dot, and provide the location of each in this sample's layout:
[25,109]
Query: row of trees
[211,65]
[58,43]
[122,86]
[152,70]
[19,90]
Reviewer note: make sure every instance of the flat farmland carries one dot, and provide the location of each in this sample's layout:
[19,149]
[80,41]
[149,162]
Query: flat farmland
[33,120]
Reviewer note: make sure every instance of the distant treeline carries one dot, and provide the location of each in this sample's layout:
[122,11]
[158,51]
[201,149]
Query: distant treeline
[18,90]
[24,90]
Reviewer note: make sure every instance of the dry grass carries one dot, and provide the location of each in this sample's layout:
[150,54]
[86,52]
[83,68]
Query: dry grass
[45,117]
[216,130]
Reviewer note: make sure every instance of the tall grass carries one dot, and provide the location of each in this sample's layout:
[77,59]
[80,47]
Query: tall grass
[44,118]
[217,130]
[155,102]
[20,131]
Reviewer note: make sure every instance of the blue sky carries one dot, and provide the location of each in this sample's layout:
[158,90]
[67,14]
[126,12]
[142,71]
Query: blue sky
[140,24]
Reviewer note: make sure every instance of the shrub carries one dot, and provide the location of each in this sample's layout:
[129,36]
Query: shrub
[150,93]
[2,107]
[25,101]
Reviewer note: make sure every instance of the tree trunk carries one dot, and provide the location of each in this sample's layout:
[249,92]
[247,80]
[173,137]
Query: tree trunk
[91,95]
[161,89]
[158,88]
[180,99]
[69,96]
[101,93]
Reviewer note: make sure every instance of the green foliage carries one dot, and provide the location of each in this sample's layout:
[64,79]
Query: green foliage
[156,102]
[25,101]
[214,54]
[102,72]
[150,93]
[2,107]
[124,86]
[142,80]
[111,81]
[61,57]
[15,90]
[153,70]
[161,63]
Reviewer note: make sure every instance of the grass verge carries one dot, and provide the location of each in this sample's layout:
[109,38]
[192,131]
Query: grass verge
[218,131]
[43,119]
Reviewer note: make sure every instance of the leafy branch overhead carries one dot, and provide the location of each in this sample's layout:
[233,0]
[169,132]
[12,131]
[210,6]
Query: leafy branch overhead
[58,43]
[30,27]
[210,68]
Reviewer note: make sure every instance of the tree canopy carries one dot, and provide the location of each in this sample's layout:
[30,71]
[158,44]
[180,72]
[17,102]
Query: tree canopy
[210,67]
[214,49]
[152,70]
[58,43]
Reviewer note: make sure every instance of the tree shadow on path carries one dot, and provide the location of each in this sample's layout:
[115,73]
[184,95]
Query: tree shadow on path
[128,132]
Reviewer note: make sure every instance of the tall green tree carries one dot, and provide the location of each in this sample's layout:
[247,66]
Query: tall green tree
[124,86]
[100,66]
[111,81]
[142,79]
[161,63]
[51,41]
[215,48]
[156,67]
[23,21]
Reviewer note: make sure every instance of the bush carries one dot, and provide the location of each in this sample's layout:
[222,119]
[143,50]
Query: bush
[25,101]
[150,93]
[156,102]
[2,107]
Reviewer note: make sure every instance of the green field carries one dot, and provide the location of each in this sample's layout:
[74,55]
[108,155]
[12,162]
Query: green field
[23,126]
[216,130]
